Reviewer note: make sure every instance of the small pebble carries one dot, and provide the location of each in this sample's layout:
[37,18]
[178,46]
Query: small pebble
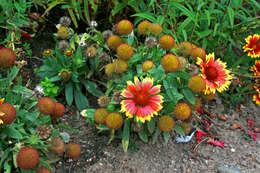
[233,150]
[227,169]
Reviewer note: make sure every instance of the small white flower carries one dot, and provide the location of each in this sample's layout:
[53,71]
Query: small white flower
[184,139]
[82,43]
[39,89]
[93,24]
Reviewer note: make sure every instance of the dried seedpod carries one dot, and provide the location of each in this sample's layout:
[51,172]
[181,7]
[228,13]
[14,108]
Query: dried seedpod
[44,131]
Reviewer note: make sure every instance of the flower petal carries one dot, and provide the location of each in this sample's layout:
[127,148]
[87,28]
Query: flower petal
[138,83]
[129,107]
[155,90]
[147,84]
[127,94]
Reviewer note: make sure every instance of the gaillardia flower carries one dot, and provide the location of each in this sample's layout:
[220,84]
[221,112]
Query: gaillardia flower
[214,72]
[2,113]
[252,46]
[141,99]
[256,68]
[256,98]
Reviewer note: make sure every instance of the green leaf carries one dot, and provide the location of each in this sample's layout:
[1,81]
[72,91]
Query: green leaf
[126,134]
[231,15]
[155,135]
[142,134]
[147,16]
[69,93]
[80,100]
[22,90]
[92,88]
[166,136]
[88,113]
[188,94]
[173,94]
[119,7]
[12,132]
[13,74]
[151,126]
[179,130]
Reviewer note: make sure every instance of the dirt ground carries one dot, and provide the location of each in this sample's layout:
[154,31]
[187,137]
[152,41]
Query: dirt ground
[98,157]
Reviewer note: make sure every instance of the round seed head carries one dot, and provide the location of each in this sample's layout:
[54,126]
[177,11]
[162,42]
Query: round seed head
[114,121]
[124,27]
[197,84]
[90,52]
[182,111]
[185,48]
[166,123]
[59,110]
[150,42]
[44,132]
[155,29]
[46,105]
[183,63]
[65,21]
[142,27]
[73,150]
[166,42]
[57,146]
[114,41]
[120,66]
[170,62]
[7,58]
[100,116]
[147,65]
[198,53]
[27,158]
[109,69]
[103,101]
[124,51]
[63,32]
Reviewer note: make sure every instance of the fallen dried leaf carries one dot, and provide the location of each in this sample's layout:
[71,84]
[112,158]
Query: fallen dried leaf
[250,122]
[216,143]
[211,115]
[199,135]
[222,117]
[236,126]
[257,130]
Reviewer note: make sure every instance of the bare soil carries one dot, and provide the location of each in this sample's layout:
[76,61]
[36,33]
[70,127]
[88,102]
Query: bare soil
[97,156]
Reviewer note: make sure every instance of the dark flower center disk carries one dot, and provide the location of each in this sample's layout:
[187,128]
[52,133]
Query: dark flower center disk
[211,73]
[141,98]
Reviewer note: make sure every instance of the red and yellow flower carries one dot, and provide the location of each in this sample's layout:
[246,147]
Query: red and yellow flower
[2,113]
[47,52]
[256,98]
[141,99]
[256,68]
[252,46]
[214,72]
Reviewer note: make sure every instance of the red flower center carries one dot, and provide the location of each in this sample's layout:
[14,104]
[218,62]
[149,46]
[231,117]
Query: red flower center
[141,98]
[254,47]
[211,73]
[257,67]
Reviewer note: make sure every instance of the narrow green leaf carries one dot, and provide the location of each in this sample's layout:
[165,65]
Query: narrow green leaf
[80,100]
[143,136]
[92,88]
[126,134]
[231,14]
[69,93]
[166,136]
[155,135]
[151,125]
[147,16]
